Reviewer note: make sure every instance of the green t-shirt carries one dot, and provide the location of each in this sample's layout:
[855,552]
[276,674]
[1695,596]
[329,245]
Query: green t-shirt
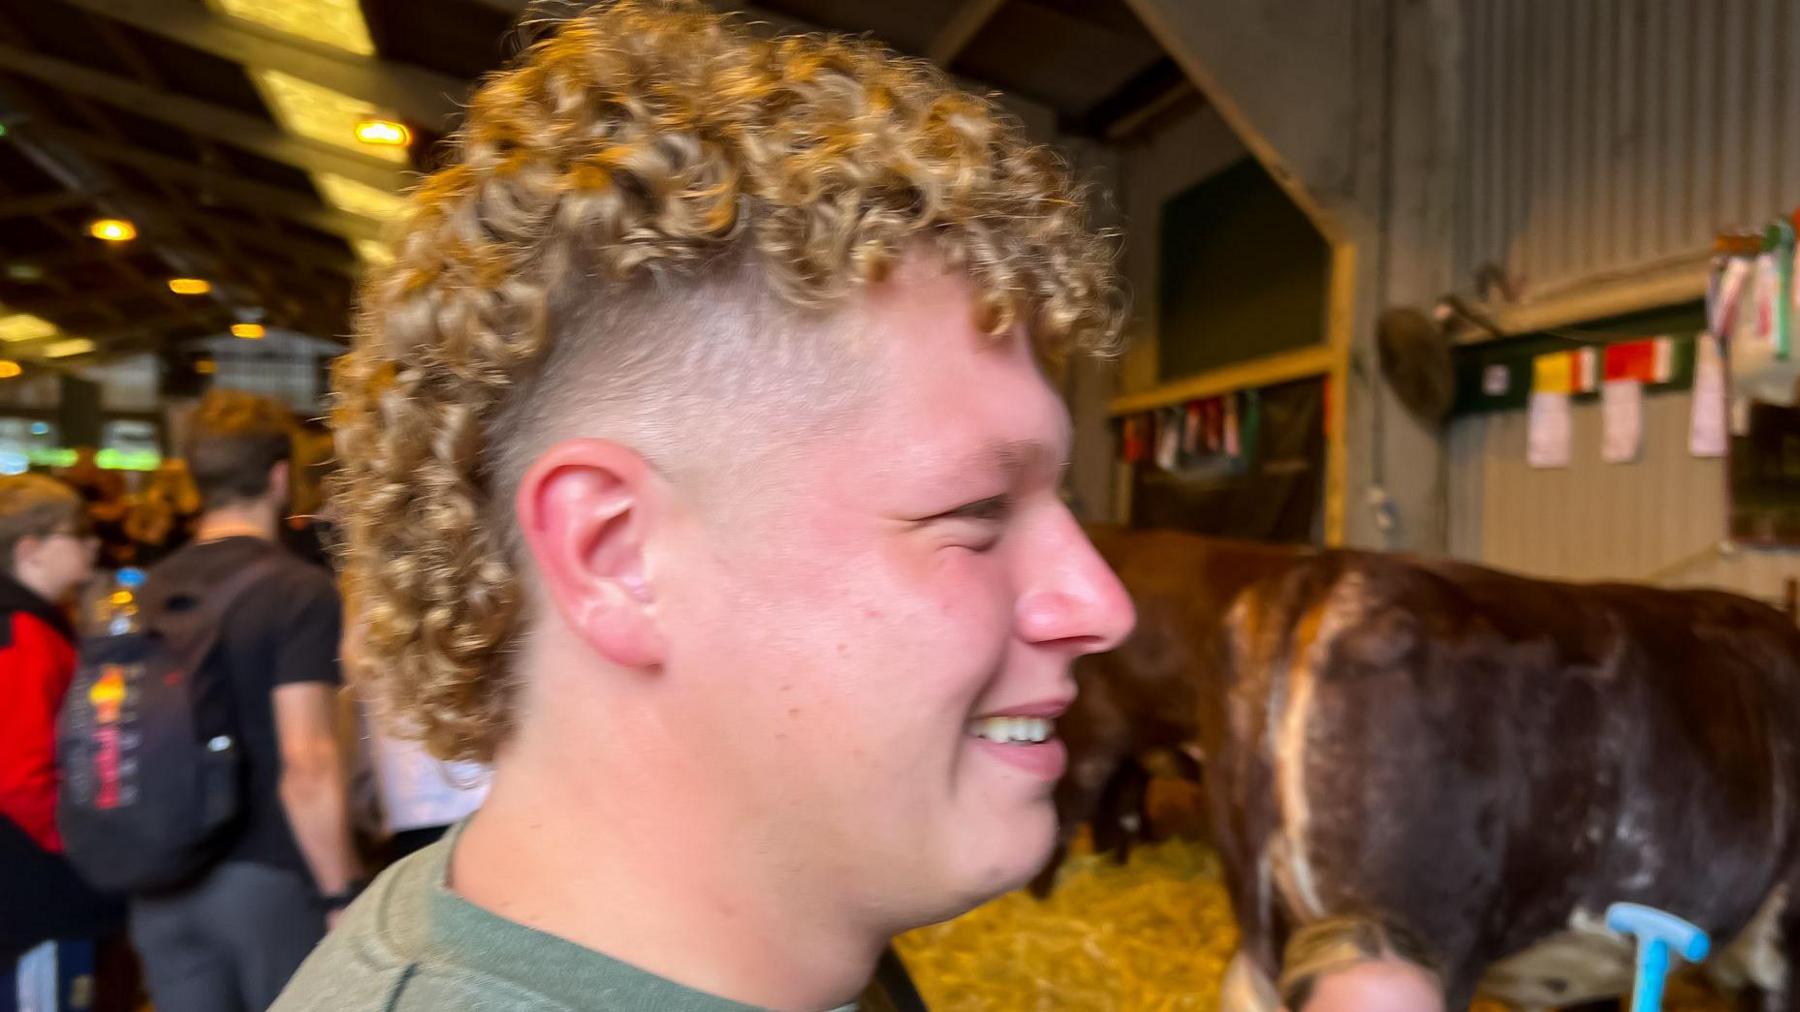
[409,943]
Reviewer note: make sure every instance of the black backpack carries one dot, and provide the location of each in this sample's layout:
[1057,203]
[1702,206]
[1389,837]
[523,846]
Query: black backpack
[151,769]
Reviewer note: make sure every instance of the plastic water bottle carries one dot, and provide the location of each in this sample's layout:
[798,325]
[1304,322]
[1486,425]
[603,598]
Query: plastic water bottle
[116,613]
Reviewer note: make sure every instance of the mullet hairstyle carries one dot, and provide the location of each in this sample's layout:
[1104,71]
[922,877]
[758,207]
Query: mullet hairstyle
[644,170]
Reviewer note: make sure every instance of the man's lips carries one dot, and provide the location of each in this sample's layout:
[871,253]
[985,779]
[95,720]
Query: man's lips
[1024,736]
[1048,709]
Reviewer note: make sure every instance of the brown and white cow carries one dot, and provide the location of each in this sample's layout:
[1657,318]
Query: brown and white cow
[1490,761]
[1142,700]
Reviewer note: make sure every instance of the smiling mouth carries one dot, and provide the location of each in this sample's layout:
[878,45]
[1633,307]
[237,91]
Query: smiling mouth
[1013,730]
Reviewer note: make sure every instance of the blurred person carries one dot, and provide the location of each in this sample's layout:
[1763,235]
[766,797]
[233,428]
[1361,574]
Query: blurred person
[164,513]
[409,798]
[309,531]
[700,474]
[1355,965]
[108,505]
[46,553]
[230,940]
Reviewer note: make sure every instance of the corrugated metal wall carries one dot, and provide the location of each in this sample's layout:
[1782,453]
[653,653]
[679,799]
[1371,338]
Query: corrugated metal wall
[1607,134]
[1657,519]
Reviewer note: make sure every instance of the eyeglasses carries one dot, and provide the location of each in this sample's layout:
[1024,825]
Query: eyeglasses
[80,530]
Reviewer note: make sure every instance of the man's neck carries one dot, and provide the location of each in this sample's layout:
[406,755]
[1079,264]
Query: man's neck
[667,887]
[239,520]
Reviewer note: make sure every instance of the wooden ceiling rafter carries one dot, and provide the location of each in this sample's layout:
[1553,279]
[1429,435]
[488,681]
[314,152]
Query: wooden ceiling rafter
[970,18]
[40,204]
[228,258]
[55,167]
[276,200]
[423,96]
[203,119]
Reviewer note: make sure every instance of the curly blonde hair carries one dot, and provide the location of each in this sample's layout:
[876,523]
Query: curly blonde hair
[639,159]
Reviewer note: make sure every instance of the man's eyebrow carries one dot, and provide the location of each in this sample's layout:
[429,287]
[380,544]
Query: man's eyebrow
[1016,457]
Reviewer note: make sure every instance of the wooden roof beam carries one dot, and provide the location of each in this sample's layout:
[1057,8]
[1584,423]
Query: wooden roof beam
[277,200]
[423,96]
[956,34]
[204,119]
[42,203]
[1038,117]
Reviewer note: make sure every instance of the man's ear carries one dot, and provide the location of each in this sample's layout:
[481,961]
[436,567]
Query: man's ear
[583,507]
[279,473]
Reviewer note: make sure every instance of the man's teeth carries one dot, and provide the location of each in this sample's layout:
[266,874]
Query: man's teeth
[1012,729]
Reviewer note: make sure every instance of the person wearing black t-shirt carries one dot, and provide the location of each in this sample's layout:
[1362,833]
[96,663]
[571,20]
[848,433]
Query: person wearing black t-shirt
[230,941]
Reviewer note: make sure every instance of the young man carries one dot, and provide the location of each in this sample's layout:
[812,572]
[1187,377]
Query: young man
[231,940]
[699,475]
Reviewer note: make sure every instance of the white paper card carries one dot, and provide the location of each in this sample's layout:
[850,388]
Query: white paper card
[1706,425]
[1495,380]
[1621,420]
[1547,430]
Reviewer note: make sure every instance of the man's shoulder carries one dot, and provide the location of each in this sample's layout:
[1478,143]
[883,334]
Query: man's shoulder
[212,561]
[380,958]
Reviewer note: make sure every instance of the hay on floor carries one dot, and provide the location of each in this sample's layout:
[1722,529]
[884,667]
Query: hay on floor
[1154,934]
[1150,936]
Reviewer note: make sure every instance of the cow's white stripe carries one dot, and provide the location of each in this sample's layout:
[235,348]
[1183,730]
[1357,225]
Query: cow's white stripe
[1294,869]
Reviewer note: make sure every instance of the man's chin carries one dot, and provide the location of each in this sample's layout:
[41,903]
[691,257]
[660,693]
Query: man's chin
[1026,852]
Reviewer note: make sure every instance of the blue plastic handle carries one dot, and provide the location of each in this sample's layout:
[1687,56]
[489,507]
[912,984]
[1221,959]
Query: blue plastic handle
[1657,932]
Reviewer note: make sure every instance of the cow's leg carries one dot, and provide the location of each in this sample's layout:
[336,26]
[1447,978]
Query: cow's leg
[1780,960]
[1247,988]
[1119,817]
[1079,799]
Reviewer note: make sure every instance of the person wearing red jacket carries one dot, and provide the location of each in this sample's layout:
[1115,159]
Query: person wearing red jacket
[46,552]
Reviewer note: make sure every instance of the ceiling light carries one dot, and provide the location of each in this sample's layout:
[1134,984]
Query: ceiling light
[321,114]
[336,23]
[25,327]
[248,331]
[190,286]
[9,369]
[347,194]
[112,229]
[64,349]
[383,132]
[23,271]
[206,366]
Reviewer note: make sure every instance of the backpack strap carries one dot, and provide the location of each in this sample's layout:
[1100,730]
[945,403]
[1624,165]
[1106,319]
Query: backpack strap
[205,607]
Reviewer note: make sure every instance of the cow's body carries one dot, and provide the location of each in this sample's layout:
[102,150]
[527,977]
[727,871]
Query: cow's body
[1143,698]
[1491,761]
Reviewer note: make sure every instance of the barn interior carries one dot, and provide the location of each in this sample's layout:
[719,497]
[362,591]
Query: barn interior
[1447,278]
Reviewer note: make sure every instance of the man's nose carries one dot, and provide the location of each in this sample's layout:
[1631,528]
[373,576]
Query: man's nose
[1075,598]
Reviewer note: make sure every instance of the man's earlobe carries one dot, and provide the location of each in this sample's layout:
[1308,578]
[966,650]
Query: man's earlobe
[584,507]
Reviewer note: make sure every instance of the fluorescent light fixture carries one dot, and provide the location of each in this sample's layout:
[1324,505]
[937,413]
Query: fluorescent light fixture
[318,113]
[347,194]
[10,369]
[25,327]
[335,23]
[248,331]
[65,349]
[190,286]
